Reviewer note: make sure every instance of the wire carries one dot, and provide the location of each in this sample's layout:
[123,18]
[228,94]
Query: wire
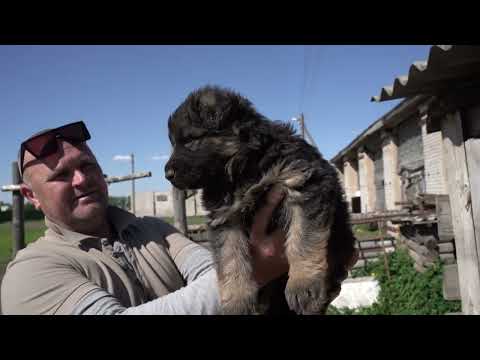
[306,57]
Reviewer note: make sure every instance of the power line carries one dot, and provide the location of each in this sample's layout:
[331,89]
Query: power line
[306,67]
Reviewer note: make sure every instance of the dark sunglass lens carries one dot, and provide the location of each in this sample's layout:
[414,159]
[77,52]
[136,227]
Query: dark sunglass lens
[37,145]
[74,132]
[49,148]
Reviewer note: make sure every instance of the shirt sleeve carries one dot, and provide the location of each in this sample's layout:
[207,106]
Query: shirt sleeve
[42,284]
[47,284]
[200,297]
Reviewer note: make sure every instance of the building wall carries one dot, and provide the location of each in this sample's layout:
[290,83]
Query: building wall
[160,204]
[366,180]
[410,144]
[144,204]
[350,178]
[379,180]
[433,157]
[390,171]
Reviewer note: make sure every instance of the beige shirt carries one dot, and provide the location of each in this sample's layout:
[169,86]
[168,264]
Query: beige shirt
[61,269]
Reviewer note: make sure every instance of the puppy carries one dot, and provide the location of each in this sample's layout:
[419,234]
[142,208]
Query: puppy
[222,145]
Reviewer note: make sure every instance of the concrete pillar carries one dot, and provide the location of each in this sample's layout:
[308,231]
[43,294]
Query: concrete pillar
[366,172]
[390,171]
[435,176]
[350,178]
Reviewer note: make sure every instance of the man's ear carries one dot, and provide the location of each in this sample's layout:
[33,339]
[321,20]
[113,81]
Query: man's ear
[30,195]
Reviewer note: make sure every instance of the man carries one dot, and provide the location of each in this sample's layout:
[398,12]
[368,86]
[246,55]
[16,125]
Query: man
[98,259]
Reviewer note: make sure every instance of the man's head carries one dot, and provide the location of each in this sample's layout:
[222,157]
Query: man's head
[61,177]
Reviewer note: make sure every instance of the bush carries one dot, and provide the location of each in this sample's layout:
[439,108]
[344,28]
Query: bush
[29,213]
[408,292]
[5,216]
[122,202]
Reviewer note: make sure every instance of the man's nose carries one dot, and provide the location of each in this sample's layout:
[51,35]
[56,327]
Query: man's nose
[78,178]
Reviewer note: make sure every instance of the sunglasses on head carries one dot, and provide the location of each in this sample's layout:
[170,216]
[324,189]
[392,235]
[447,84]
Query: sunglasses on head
[45,143]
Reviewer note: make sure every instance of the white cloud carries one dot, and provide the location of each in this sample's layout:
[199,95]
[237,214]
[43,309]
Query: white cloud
[121,157]
[160,157]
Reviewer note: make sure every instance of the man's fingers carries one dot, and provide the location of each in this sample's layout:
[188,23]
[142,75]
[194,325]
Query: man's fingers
[274,246]
[275,195]
[264,214]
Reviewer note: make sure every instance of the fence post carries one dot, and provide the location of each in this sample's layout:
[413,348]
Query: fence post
[18,225]
[179,211]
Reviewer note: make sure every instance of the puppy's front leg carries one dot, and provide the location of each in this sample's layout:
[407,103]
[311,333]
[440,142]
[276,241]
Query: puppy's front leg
[307,290]
[238,290]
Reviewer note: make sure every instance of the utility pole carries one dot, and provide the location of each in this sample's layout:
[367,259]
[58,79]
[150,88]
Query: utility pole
[304,131]
[18,227]
[179,210]
[133,184]
[301,120]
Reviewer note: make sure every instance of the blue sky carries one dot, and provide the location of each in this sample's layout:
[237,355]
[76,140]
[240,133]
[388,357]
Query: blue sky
[126,93]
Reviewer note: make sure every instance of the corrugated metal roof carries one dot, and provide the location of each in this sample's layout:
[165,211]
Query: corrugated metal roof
[446,63]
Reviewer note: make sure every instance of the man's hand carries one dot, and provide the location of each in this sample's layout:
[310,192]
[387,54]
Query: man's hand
[268,251]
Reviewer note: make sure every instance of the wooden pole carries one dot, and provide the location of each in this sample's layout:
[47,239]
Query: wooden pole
[179,212]
[302,125]
[18,224]
[115,179]
[133,184]
[458,161]
[109,180]
[385,259]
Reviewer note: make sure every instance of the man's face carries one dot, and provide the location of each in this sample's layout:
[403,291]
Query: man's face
[68,187]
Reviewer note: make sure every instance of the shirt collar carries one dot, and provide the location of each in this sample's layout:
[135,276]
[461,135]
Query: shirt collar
[120,220]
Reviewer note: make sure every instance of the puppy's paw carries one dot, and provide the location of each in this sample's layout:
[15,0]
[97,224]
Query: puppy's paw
[307,296]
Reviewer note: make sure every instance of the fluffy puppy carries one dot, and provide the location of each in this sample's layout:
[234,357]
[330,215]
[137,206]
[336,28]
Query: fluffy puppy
[222,145]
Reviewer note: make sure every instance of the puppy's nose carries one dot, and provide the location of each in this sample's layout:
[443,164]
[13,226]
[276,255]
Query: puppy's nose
[170,174]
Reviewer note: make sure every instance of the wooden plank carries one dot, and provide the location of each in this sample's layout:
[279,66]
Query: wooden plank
[372,253]
[451,286]
[472,151]
[444,218]
[11,187]
[368,238]
[109,180]
[458,187]
[374,244]
[420,259]
[447,256]
[398,215]
[420,249]
[446,248]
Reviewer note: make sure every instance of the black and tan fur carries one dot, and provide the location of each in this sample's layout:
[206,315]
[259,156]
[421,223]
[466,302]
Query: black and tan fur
[222,145]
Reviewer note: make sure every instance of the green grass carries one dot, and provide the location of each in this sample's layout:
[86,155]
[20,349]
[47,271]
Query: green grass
[406,291]
[33,230]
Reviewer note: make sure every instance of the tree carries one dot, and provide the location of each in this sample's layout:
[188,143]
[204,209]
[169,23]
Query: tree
[122,202]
